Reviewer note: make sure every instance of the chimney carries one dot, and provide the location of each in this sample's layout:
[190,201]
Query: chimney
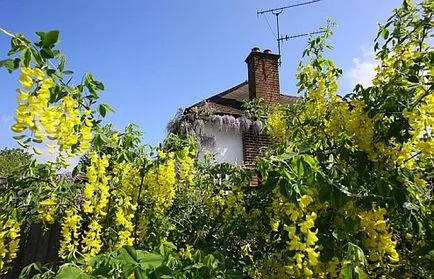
[263,74]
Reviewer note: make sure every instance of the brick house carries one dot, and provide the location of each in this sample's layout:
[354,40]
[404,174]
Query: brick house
[219,120]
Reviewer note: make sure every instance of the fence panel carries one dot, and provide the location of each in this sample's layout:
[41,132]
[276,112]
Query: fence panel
[36,245]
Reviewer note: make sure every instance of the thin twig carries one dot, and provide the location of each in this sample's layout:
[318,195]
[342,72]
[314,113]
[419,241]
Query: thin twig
[7,32]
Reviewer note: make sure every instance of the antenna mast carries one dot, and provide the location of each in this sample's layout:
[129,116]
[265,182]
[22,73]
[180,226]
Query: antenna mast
[277,12]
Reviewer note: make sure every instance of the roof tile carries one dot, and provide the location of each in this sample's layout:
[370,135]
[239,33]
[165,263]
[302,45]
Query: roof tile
[231,100]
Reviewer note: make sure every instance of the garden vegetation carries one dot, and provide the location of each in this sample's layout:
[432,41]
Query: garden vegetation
[347,185]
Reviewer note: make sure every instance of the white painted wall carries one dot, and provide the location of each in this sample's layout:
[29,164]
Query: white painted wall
[228,145]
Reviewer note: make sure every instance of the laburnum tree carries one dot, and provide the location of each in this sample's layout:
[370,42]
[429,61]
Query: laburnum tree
[347,185]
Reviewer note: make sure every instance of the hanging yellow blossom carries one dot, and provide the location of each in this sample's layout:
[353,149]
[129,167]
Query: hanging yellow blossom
[70,233]
[160,181]
[9,240]
[47,209]
[126,181]
[276,123]
[61,123]
[379,241]
[95,201]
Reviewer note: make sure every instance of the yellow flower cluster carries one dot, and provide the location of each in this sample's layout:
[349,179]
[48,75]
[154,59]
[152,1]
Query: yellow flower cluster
[388,71]
[301,233]
[70,233]
[378,241]
[187,252]
[30,106]
[276,123]
[229,203]
[57,122]
[321,87]
[420,117]
[159,182]
[421,121]
[92,240]
[187,169]
[332,268]
[421,145]
[355,122]
[9,241]
[126,181]
[47,209]
[96,189]
[66,134]
[95,200]
[397,154]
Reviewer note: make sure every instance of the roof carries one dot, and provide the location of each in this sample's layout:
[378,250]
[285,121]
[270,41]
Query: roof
[231,101]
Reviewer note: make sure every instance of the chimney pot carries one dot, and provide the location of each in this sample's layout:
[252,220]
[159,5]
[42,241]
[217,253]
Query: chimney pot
[256,49]
[268,51]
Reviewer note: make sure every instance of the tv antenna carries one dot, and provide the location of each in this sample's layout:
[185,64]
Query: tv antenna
[277,12]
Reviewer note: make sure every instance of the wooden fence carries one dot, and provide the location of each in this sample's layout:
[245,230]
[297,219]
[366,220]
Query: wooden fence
[36,245]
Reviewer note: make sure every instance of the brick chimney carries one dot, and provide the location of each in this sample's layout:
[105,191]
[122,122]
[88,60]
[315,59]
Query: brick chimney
[263,74]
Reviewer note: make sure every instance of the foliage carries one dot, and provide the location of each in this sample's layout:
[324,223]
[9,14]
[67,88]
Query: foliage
[347,186]
[12,160]
[365,160]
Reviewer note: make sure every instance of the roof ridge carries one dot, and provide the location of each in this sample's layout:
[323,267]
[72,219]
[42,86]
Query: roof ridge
[223,93]
[227,91]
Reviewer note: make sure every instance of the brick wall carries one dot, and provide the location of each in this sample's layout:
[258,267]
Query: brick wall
[254,146]
[263,75]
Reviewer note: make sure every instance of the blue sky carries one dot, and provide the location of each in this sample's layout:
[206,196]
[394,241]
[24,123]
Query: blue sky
[157,56]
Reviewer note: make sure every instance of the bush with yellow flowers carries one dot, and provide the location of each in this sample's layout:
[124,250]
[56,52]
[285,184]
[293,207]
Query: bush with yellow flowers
[365,160]
[346,186]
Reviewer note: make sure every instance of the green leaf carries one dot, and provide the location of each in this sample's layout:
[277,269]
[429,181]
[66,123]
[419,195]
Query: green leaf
[37,151]
[22,144]
[99,140]
[19,42]
[37,56]
[306,146]
[26,56]
[286,190]
[10,64]
[46,53]
[273,179]
[140,274]
[309,160]
[98,85]
[71,272]
[149,260]
[40,34]
[104,108]
[287,156]
[50,39]
[385,33]
[347,272]
[163,271]
[297,166]
[62,62]
[210,262]
[127,256]
[19,137]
